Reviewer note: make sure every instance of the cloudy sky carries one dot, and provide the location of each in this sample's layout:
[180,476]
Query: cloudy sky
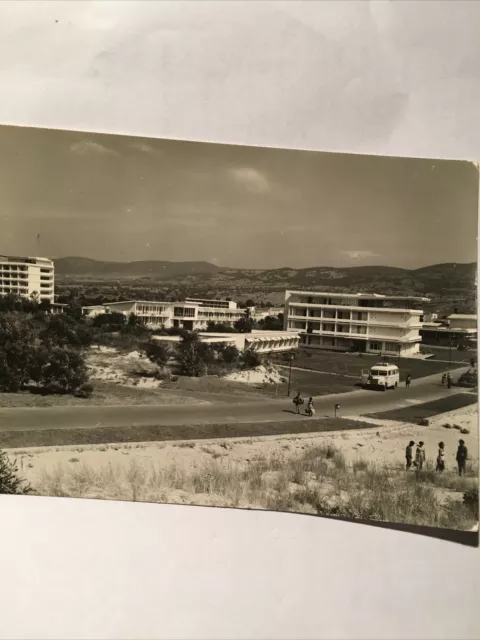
[123,198]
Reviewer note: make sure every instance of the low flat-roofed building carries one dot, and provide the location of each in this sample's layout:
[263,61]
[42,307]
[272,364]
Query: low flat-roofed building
[191,314]
[260,341]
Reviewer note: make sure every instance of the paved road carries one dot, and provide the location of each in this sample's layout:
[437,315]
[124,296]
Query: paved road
[353,403]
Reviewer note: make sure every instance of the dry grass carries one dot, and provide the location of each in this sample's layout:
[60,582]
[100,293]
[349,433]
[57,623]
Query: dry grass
[318,481]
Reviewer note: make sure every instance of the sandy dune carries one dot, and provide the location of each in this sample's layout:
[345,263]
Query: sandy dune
[385,445]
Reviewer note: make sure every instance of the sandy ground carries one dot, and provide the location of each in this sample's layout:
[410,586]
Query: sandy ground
[385,445]
[259,375]
[106,364]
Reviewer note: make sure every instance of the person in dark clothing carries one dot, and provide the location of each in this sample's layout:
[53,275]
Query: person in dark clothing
[444,379]
[409,453]
[298,401]
[441,457]
[462,457]
[449,380]
[408,380]
[472,363]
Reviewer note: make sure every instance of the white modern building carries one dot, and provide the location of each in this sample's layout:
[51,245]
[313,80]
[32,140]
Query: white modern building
[26,277]
[370,323]
[261,341]
[192,314]
[462,321]
[456,329]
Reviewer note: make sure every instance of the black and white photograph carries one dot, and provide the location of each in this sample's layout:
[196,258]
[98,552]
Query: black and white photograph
[230,326]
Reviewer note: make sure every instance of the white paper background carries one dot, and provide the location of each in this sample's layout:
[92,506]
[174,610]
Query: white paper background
[396,78]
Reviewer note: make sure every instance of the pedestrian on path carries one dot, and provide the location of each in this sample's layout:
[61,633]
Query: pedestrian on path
[449,380]
[408,380]
[462,457]
[444,379]
[441,457]
[409,454]
[310,408]
[420,456]
[298,401]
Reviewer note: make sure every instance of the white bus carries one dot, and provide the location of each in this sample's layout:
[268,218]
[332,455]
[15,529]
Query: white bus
[382,376]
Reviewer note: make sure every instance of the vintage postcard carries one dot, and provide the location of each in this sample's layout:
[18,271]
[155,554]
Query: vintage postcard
[205,324]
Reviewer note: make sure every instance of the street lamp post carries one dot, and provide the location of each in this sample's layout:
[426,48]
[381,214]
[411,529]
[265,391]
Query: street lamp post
[337,407]
[291,356]
[449,353]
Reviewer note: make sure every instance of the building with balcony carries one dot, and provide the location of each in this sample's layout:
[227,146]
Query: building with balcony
[369,323]
[192,314]
[27,277]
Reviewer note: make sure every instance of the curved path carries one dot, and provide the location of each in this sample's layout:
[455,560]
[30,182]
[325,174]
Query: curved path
[269,410]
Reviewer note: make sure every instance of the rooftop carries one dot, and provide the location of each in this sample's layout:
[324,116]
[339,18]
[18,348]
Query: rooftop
[462,316]
[361,296]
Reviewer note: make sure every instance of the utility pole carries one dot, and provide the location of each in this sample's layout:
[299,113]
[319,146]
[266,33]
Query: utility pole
[449,353]
[290,373]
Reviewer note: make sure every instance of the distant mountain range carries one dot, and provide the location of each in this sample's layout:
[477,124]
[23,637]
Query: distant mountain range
[447,276]
[87,267]
[449,285]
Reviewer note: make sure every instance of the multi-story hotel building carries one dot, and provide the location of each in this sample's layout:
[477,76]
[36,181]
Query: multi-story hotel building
[26,277]
[192,314]
[370,323]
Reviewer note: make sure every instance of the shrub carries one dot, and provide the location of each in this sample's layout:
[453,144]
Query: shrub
[157,352]
[251,359]
[59,370]
[17,350]
[10,481]
[470,500]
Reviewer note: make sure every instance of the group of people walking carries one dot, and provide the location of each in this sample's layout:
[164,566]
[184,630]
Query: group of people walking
[447,380]
[419,460]
[298,401]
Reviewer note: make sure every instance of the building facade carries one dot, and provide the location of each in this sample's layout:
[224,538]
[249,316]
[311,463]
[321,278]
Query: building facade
[261,341]
[27,277]
[369,323]
[192,314]
[456,329]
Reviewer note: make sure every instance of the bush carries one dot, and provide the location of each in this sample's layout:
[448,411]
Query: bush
[470,500]
[251,359]
[157,352]
[17,351]
[10,482]
[220,327]
[65,330]
[59,370]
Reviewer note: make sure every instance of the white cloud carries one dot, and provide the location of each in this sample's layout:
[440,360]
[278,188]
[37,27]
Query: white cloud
[142,146]
[253,180]
[85,147]
[359,255]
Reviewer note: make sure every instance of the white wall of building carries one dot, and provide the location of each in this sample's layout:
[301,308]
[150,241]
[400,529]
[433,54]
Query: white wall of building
[27,276]
[342,321]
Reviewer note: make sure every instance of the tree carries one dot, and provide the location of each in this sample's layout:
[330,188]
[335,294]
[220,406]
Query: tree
[230,354]
[59,369]
[272,323]
[157,352]
[10,482]
[65,330]
[249,303]
[194,356]
[250,358]
[112,321]
[219,327]
[18,341]
[244,325]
